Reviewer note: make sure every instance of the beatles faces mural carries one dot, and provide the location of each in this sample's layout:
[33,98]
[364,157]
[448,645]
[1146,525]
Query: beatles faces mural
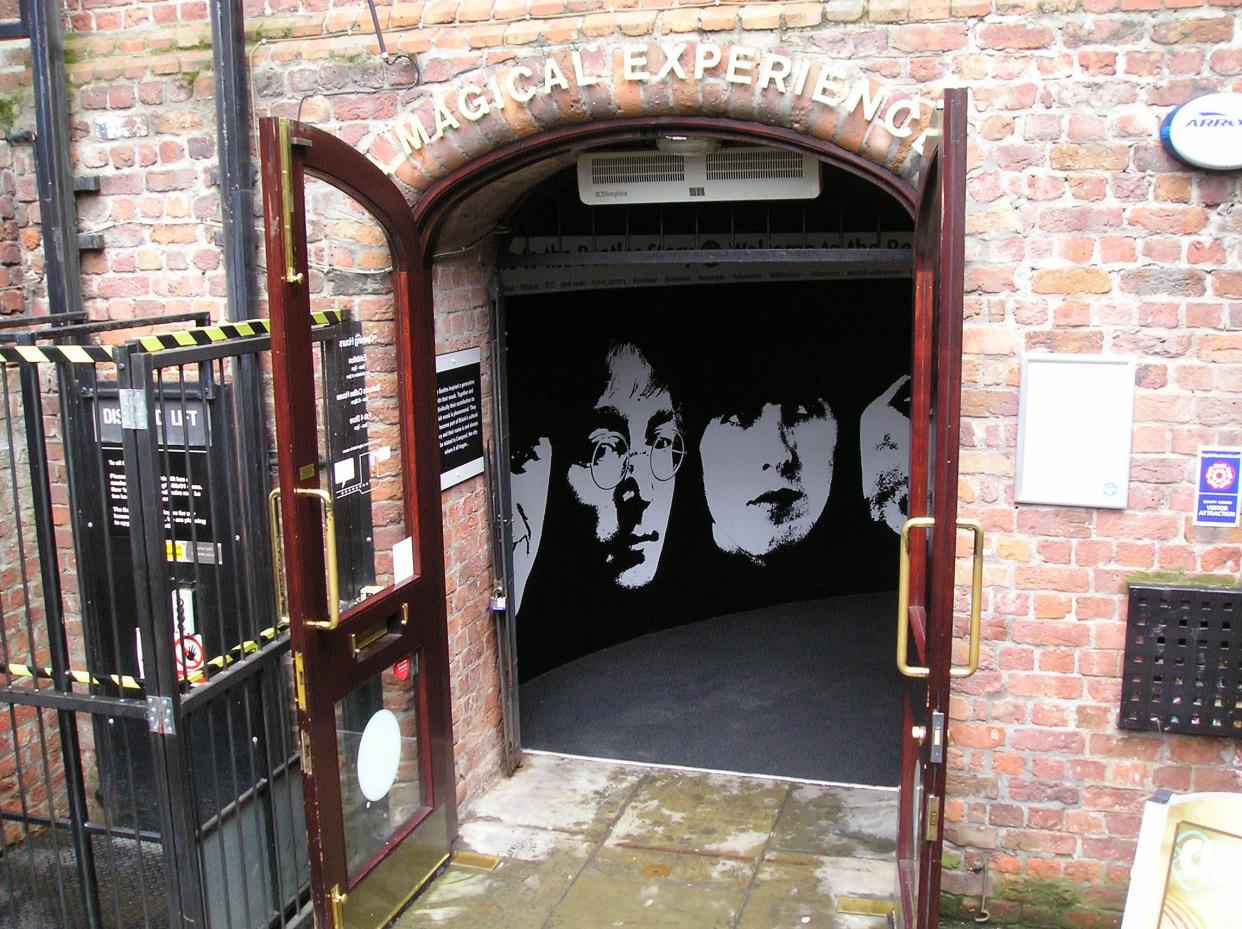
[684,453]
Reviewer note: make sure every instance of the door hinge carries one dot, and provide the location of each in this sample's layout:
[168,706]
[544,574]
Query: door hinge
[160,715]
[299,680]
[937,738]
[133,408]
[932,832]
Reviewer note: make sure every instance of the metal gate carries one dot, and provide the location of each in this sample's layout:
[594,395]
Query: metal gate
[149,771]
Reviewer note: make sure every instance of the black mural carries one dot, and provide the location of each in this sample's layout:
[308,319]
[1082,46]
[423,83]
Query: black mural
[680,453]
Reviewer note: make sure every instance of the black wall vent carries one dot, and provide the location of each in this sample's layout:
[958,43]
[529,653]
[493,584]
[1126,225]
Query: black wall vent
[1183,664]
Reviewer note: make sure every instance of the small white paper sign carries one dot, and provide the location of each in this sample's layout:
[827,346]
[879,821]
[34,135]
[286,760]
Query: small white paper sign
[343,471]
[403,560]
[1075,415]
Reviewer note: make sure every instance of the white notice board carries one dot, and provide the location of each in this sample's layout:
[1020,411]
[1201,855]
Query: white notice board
[1075,414]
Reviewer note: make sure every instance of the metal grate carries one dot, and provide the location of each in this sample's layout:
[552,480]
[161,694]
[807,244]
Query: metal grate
[637,169]
[1183,662]
[749,165]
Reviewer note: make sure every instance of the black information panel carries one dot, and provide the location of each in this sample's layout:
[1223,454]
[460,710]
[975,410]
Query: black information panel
[459,415]
[1183,664]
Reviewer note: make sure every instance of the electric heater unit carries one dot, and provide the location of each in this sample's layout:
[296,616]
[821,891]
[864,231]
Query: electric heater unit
[726,174]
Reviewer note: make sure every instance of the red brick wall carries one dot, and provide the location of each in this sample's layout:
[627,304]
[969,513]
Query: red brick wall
[1082,236]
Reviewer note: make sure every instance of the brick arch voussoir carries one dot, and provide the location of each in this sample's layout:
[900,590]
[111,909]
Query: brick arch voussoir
[608,96]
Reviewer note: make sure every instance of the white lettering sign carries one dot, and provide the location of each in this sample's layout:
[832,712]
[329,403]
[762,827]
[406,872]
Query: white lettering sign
[829,84]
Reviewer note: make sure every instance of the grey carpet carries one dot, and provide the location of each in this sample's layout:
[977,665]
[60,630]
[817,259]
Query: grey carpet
[805,690]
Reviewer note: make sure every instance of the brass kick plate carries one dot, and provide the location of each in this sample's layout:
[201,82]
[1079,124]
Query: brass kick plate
[476,861]
[864,906]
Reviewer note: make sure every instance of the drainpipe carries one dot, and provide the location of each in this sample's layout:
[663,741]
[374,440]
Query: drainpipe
[232,91]
[53,168]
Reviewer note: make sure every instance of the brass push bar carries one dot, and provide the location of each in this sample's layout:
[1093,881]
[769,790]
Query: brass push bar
[903,599]
[334,584]
[292,275]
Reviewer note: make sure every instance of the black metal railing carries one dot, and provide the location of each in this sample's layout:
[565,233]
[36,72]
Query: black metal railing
[149,765]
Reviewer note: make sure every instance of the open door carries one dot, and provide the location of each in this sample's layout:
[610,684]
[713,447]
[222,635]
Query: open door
[929,537]
[357,526]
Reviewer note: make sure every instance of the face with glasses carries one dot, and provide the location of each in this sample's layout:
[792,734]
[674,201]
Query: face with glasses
[624,470]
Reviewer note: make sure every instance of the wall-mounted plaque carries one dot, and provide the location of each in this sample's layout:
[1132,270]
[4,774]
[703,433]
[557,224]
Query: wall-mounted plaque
[459,413]
[1075,415]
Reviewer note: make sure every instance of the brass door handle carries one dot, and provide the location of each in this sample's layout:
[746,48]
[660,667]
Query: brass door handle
[976,600]
[903,599]
[292,275]
[278,548]
[334,585]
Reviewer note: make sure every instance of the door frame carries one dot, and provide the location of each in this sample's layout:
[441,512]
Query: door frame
[434,207]
[438,202]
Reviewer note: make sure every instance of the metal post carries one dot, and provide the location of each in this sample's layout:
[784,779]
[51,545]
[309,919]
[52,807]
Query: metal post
[152,601]
[53,167]
[228,61]
[229,65]
[506,626]
[49,570]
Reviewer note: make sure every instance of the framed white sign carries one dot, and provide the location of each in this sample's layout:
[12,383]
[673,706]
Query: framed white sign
[1075,414]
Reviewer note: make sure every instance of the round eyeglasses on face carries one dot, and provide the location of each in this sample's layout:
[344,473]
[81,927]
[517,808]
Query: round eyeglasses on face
[610,459]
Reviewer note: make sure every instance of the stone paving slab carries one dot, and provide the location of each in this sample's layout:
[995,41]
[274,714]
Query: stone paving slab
[799,891]
[720,814]
[589,845]
[597,900]
[838,821]
[564,794]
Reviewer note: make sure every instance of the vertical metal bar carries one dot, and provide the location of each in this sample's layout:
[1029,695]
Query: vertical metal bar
[178,810]
[232,92]
[207,713]
[49,569]
[228,65]
[506,630]
[127,748]
[14,729]
[260,761]
[53,165]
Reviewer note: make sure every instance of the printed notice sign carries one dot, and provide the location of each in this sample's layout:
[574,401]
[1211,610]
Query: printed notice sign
[1216,493]
[459,413]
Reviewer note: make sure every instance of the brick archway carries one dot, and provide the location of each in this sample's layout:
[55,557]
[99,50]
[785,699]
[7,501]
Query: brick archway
[497,119]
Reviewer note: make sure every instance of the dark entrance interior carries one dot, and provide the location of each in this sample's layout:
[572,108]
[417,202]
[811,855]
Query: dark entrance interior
[708,478]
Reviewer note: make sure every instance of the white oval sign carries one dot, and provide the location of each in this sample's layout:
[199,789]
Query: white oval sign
[1206,132]
[379,755]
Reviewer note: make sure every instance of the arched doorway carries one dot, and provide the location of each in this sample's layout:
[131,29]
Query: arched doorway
[349,896]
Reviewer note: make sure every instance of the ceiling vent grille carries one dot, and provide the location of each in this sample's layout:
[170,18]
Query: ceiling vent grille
[730,174]
[754,164]
[637,168]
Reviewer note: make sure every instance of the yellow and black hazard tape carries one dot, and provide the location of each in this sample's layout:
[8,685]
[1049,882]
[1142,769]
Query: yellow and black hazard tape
[14,669]
[49,354]
[127,682]
[210,335]
[235,654]
[185,338]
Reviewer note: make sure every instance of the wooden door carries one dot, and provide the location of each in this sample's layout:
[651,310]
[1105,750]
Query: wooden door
[929,538]
[357,525]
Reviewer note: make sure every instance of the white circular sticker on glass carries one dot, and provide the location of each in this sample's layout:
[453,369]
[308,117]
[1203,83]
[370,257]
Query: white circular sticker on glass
[1206,132]
[379,754]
